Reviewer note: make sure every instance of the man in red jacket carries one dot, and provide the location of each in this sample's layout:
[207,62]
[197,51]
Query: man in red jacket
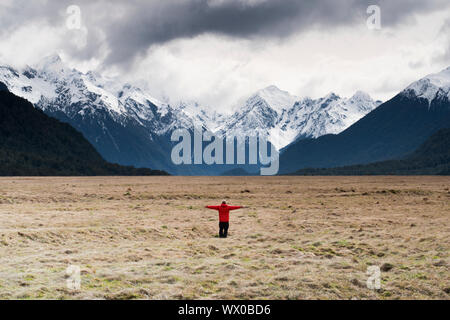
[224,217]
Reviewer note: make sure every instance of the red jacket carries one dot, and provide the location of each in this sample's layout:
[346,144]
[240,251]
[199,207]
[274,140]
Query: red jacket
[224,211]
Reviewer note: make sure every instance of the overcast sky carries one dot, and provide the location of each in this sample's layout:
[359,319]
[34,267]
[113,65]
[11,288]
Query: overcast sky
[218,52]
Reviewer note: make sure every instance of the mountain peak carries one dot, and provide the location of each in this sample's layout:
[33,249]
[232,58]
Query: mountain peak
[364,99]
[51,59]
[331,96]
[361,95]
[51,63]
[270,89]
[429,86]
[440,79]
[276,98]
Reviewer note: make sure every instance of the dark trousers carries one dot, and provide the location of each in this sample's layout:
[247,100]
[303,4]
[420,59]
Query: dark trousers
[223,229]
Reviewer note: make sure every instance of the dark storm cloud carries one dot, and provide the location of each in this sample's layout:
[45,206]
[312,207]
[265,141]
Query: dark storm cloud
[161,21]
[131,27]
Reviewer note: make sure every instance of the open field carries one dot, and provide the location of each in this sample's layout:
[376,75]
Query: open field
[151,238]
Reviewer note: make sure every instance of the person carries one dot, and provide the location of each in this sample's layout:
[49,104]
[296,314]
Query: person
[224,217]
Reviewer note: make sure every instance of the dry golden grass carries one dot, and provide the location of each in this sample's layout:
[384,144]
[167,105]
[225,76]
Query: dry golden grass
[151,238]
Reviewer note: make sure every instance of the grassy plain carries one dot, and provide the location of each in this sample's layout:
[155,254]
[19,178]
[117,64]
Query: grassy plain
[152,238]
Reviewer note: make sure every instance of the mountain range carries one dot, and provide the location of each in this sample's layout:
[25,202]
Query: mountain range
[392,131]
[128,126]
[286,118]
[34,144]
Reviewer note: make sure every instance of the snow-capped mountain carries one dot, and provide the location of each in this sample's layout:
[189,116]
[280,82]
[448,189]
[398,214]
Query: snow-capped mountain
[277,99]
[201,115]
[330,114]
[124,123]
[286,118]
[260,115]
[53,87]
[433,86]
[394,130]
[129,126]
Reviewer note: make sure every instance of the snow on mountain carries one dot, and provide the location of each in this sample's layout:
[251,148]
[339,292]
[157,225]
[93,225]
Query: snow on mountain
[52,85]
[286,118]
[100,107]
[431,87]
[201,115]
[277,99]
[26,85]
[331,114]
[256,117]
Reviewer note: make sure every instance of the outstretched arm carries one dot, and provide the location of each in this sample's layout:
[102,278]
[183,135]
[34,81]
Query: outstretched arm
[234,207]
[212,207]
